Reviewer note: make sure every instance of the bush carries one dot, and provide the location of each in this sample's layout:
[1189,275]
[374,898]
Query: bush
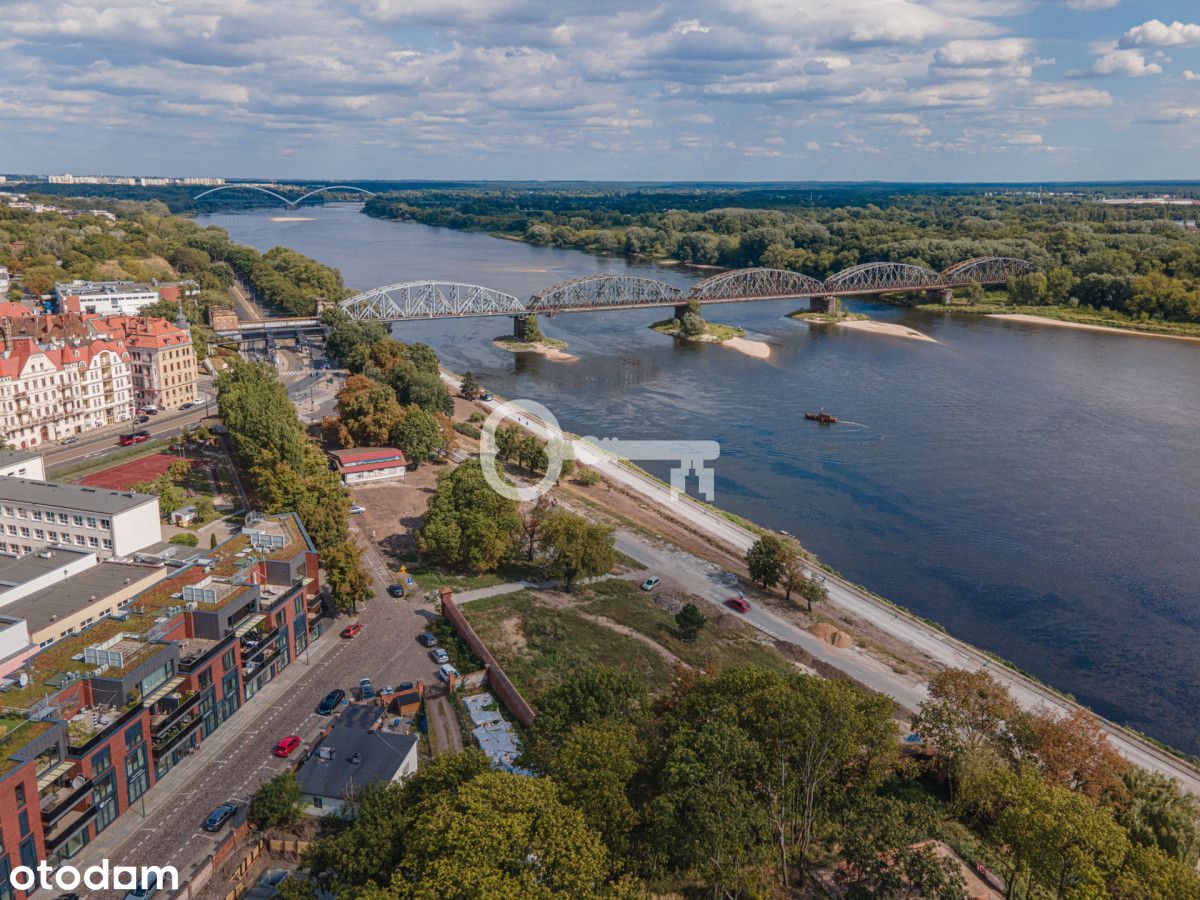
[469,430]
[276,802]
[587,477]
[186,539]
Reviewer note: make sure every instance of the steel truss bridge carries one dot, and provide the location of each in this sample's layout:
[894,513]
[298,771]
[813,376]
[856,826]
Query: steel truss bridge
[413,300]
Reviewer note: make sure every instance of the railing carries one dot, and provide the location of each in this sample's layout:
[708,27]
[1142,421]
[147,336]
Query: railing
[70,829]
[166,746]
[180,711]
[64,806]
[189,665]
[123,719]
[261,645]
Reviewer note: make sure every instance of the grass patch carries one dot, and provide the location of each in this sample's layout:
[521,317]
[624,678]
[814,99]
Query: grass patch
[629,562]
[515,344]
[432,577]
[826,318]
[718,645]
[538,645]
[1083,315]
[461,656]
[714,332]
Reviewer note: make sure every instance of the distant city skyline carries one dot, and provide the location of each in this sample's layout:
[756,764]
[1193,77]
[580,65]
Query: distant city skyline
[736,90]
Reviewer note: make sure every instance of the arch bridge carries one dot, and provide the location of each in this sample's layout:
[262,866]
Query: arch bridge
[277,196]
[411,300]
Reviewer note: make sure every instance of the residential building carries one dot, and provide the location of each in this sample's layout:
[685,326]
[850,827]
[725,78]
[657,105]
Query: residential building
[22,464]
[105,297]
[3,281]
[100,716]
[162,359]
[36,514]
[58,388]
[355,752]
[222,318]
[368,464]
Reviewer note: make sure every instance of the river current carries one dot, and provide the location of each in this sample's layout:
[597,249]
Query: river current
[1033,489]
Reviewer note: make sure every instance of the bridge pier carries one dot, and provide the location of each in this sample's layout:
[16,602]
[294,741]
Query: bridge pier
[520,327]
[939,295]
[824,304]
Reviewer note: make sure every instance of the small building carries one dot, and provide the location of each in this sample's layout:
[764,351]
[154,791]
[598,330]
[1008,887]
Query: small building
[222,318]
[184,516]
[363,465]
[349,759]
[104,297]
[22,464]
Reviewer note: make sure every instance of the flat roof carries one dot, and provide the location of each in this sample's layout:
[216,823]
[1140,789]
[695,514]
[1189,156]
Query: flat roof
[380,756]
[12,457]
[77,593]
[18,570]
[70,496]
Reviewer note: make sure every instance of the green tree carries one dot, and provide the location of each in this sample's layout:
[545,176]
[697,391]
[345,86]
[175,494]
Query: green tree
[533,331]
[1150,874]
[1157,813]
[589,695]
[765,560]
[212,541]
[418,435]
[276,802]
[469,387]
[345,577]
[882,841]
[468,525]
[689,620]
[575,548]
[966,713]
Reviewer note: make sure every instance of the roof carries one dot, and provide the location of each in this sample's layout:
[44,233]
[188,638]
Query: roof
[77,593]
[360,715]
[102,288]
[71,496]
[13,457]
[358,455]
[141,331]
[18,570]
[380,754]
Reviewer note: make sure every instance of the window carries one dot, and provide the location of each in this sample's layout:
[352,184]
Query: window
[39,534]
[93,542]
[37,513]
[63,519]
[52,535]
[107,544]
[91,520]
[78,520]
[133,736]
[19,793]
[101,762]
[24,531]
[227,659]
[79,540]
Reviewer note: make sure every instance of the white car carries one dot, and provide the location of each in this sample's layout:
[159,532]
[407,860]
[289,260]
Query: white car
[439,655]
[651,583]
[356,508]
[445,671]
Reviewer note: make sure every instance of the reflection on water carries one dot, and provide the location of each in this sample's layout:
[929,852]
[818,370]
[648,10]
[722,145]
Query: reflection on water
[1033,489]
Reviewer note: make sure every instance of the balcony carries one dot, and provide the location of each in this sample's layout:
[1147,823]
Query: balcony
[164,721]
[253,645]
[176,735]
[68,828]
[61,801]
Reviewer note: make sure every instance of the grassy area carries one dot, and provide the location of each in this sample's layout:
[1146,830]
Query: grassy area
[15,733]
[825,318]
[431,577]
[107,460]
[516,345]
[537,644]
[1083,315]
[714,332]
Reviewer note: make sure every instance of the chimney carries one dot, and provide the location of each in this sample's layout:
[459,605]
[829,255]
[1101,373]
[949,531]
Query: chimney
[8,332]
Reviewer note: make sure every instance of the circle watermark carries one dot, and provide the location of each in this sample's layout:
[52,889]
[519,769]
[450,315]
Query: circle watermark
[524,413]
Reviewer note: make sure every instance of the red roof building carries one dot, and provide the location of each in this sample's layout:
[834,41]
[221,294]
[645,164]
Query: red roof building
[369,464]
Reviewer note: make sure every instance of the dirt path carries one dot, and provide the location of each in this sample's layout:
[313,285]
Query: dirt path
[445,735]
[658,648]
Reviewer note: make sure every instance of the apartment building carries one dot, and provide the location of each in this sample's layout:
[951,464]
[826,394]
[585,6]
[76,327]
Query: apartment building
[162,359]
[105,297]
[37,514]
[51,390]
[98,718]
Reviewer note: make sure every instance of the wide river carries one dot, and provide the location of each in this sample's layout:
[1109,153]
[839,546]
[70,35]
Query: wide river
[1034,489]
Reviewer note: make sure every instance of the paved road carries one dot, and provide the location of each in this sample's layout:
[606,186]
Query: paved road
[237,757]
[938,646]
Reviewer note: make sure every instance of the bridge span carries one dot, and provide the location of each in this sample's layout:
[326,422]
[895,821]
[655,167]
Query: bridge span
[417,300]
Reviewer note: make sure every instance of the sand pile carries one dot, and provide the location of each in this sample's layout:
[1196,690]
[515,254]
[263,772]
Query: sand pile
[831,635]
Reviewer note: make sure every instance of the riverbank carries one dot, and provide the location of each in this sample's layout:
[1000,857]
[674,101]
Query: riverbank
[891,329]
[1085,326]
[715,333]
[1070,316]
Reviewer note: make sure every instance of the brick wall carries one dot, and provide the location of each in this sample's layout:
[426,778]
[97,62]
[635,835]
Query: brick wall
[505,691]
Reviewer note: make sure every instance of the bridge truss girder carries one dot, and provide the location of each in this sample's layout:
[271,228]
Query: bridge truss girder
[604,292]
[752,284]
[985,270]
[430,300]
[880,277]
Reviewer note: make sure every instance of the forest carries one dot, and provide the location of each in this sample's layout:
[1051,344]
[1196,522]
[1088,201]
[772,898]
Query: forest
[1134,261]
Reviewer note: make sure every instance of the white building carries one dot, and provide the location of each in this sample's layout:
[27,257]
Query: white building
[52,391]
[21,464]
[3,282]
[367,464]
[36,514]
[106,298]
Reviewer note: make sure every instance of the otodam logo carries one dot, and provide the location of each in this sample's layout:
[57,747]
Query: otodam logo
[102,877]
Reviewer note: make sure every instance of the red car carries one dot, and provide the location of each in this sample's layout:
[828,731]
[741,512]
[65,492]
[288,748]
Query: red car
[136,438]
[352,630]
[739,603]
[286,745]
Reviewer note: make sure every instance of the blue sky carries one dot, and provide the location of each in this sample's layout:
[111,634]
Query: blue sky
[969,90]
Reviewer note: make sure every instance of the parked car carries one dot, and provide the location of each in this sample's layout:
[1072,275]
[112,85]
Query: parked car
[651,583]
[286,745]
[189,405]
[331,702]
[68,441]
[136,438]
[219,816]
[141,420]
[150,410]
[387,689]
[427,639]
[439,655]
[395,590]
[446,670]
[356,508]
[738,603]
[365,690]
[150,884]
[405,686]
[351,631]
[486,396]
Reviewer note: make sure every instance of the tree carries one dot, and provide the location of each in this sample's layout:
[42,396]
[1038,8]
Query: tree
[1150,874]
[588,695]
[882,843]
[186,538]
[532,522]
[966,712]
[1156,812]
[576,548]
[468,525]
[765,560]
[1073,751]
[212,541]
[690,620]
[344,575]
[276,802]
[533,331]
[418,435]
[469,387]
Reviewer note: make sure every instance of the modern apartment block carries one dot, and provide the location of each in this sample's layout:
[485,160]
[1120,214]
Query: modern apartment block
[35,514]
[94,720]
[105,298]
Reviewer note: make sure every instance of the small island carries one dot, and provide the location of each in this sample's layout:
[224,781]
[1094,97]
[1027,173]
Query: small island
[816,317]
[532,340]
[691,327]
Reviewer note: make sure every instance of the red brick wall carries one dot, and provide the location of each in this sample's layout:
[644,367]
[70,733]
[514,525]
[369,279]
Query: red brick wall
[500,684]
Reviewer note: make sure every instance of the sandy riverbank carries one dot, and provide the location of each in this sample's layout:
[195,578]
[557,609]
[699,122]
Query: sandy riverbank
[756,349]
[1084,326]
[292,219]
[888,328]
[554,354]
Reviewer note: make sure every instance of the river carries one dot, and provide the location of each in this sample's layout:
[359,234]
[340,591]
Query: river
[1033,489]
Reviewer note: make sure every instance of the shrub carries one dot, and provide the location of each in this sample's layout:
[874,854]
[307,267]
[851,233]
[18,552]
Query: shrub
[186,539]
[588,477]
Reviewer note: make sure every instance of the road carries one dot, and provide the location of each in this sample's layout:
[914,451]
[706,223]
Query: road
[237,757]
[940,647]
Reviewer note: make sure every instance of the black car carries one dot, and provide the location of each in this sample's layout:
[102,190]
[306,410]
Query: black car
[218,816]
[365,690]
[331,702]
[395,590]
[405,686]
[427,639]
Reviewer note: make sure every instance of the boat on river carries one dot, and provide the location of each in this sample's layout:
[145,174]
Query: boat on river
[823,417]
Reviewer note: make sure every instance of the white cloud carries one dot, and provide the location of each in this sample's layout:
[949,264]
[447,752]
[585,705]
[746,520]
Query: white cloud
[1091,4]
[1069,98]
[1130,63]
[1025,138]
[976,54]
[1158,34]
[1189,75]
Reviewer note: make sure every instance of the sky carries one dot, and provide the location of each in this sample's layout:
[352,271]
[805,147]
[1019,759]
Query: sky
[726,90]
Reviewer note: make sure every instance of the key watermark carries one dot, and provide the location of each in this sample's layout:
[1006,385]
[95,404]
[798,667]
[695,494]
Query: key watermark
[100,877]
[689,456]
